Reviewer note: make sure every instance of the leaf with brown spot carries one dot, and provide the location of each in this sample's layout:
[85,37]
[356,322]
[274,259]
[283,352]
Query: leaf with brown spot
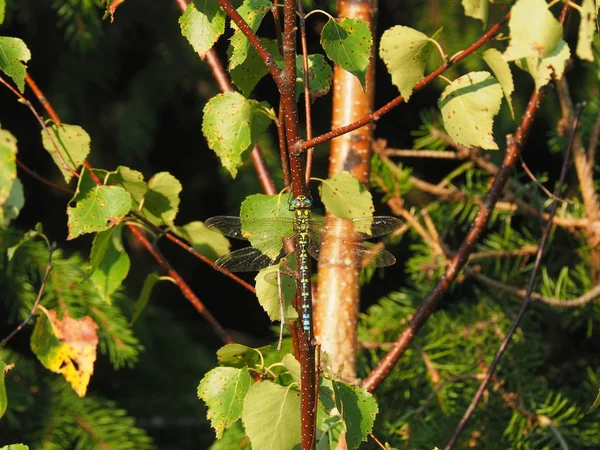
[66,346]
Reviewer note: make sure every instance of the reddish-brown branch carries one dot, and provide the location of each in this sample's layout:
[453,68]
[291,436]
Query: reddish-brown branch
[181,284]
[262,51]
[528,299]
[373,117]
[431,302]
[185,289]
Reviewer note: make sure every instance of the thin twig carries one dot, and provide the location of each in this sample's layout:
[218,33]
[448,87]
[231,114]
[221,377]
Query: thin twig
[540,185]
[528,299]
[36,303]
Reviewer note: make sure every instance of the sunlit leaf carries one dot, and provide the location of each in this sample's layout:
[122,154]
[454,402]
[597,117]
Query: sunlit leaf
[205,241]
[238,355]
[96,208]
[534,31]
[358,409]
[161,202]
[468,107]
[320,76]
[2,10]
[13,56]
[130,180]
[72,142]
[231,125]
[268,290]
[271,416]
[344,196]
[15,447]
[493,58]
[253,12]
[110,262]
[223,390]
[405,52]
[67,346]
[347,42]
[8,164]
[248,73]
[202,23]
[542,69]
[477,9]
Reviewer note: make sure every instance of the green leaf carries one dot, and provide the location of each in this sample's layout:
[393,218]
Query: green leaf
[72,142]
[358,409]
[205,241]
[542,69]
[253,12]
[223,390]
[96,208]
[233,437]
[13,56]
[144,297]
[247,74]
[534,31]
[161,202]
[320,76]
[8,164]
[348,42]
[2,10]
[267,292]
[587,28]
[493,58]
[468,106]
[259,206]
[238,355]
[231,125]
[4,368]
[477,9]
[15,447]
[110,262]
[405,52]
[292,365]
[271,416]
[202,23]
[346,197]
[130,180]
[14,203]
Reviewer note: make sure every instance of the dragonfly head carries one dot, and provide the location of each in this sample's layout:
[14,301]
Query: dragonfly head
[301,202]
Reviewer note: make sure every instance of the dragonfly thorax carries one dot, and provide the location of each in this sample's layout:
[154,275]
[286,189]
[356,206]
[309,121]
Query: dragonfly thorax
[302,202]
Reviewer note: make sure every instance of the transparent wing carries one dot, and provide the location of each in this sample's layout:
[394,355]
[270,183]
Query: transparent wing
[354,229]
[256,228]
[349,253]
[247,259]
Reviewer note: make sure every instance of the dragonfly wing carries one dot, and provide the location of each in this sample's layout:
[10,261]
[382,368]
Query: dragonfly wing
[350,253]
[247,259]
[355,229]
[260,229]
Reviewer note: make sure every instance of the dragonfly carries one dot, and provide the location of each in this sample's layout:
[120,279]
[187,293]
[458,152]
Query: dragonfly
[273,238]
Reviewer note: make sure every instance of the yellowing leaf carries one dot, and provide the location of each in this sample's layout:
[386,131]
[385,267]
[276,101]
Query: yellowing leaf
[542,69]
[501,69]
[13,56]
[405,52]
[72,142]
[468,107]
[587,28]
[534,31]
[66,346]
